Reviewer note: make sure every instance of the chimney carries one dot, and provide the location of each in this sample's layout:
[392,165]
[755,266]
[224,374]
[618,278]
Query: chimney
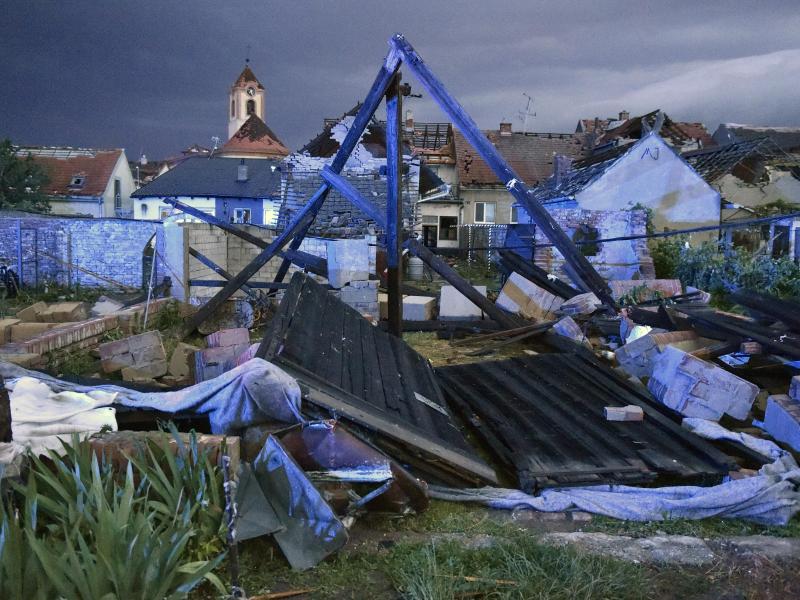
[505,128]
[561,166]
[624,115]
[241,174]
[409,120]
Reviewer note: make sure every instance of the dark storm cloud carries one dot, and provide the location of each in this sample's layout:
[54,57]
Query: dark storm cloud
[154,76]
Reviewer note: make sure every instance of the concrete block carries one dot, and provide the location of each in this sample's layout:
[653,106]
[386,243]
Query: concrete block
[23,359]
[782,420]
[527,299]
[638,356]
[30,314]
[145,371]
[696,388]
[25,331]
[630,412]
[454,305]
[182,360]
[348,260]
[383,306]
[62,312]
[133,352]
[5,329]
[418,308]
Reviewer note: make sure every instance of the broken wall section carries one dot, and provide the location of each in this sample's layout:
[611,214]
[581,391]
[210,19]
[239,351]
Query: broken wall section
[112,248]
[613,260]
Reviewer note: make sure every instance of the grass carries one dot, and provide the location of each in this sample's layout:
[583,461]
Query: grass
[705,528]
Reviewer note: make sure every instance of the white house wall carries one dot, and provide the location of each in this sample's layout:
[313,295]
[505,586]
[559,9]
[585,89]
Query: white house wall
[154,206]
[653,176]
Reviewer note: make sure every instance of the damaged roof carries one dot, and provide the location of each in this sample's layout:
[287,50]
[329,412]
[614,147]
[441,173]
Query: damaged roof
[201,176]
[531,155]
[675,133]
[257,139]
[787,138]
[74,171]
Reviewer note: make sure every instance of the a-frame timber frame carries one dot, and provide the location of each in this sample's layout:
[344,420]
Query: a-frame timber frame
[387,84]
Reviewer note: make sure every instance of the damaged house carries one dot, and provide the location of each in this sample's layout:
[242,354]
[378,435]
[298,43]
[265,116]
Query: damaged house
[595,200]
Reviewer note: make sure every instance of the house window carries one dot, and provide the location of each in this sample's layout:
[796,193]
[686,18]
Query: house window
[251,107]
[144,209]
[77,181]
[514,215]
[448,228]
[588,235]
[484,212]
[233,108]
[117,194]
[271,214]
[241,215]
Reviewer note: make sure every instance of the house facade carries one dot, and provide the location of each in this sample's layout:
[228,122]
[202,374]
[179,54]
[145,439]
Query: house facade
[84,181]
[245,191]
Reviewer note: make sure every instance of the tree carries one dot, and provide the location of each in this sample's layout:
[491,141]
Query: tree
[21,181]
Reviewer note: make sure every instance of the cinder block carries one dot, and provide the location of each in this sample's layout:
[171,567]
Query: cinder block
[182,360]
[696,388]
[348,260]
[5,329]
[527,299]
[25,331]
[62,312]
[638,356]
[134,352]
[30,314]
[582,304]
[454,305]
[418,308]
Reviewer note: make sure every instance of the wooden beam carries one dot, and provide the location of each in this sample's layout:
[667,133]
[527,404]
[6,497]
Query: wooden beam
[449,274]
[265,285]
[394,206]
[580,265]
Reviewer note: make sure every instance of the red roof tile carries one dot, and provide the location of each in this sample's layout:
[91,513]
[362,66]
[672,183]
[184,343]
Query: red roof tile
[530,155]
[254,138]
[247,76]
[94,167]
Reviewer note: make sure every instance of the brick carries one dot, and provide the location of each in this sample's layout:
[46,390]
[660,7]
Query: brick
[133,351]
[61,312]
[30,314]
[454,305]
[638,356]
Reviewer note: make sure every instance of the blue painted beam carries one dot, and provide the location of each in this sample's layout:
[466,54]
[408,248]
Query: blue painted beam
[347,190]
[588,277]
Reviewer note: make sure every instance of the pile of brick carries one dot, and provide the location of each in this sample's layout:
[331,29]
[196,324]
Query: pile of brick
[140,358]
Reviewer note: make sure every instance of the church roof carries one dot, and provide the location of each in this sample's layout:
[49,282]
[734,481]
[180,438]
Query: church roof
[254,138]
[246,77]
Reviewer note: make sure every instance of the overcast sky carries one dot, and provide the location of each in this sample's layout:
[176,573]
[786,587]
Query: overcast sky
[153,76]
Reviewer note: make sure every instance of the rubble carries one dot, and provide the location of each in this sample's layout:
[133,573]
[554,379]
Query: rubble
[418,308]
[453,305]
[696,388]
[138,357]
[524,297]
[638,357]
[782,419]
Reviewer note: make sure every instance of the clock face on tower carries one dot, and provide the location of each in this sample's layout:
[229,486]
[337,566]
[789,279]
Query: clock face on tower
[251,91]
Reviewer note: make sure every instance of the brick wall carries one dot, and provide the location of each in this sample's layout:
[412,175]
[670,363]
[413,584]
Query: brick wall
[112,248]
[613,260]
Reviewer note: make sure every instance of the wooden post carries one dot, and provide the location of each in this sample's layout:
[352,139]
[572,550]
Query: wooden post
[581,266]
[394,205]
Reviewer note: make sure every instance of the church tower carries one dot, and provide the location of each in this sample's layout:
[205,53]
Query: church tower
[246,98]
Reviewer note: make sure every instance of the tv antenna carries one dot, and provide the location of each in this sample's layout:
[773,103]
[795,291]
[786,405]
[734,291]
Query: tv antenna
[524,115]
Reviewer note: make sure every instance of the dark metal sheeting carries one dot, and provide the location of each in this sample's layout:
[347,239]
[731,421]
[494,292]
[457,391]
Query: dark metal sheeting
[543,417]
[362,374]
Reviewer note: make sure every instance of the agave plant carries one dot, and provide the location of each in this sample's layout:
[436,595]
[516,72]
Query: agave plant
[99,535]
